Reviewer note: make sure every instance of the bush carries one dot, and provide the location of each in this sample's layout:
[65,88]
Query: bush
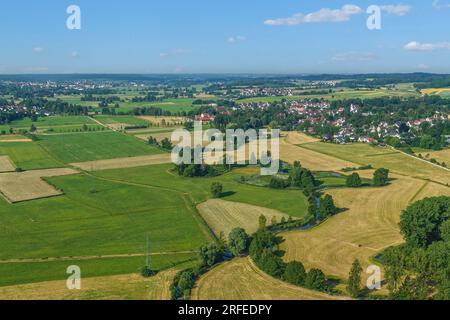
[295,273]
[147,272]
[216,190]
[316,280]
[238,241]
[353,180]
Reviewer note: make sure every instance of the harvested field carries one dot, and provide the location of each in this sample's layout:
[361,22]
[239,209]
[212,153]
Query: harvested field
[368,226]
[224,216]
[164,121]
[6,164]
[29,185]
[159,136]
[311,159]
[122,287]
[14,138]
[240,279]
[298,138]
[440,156]
[119,163]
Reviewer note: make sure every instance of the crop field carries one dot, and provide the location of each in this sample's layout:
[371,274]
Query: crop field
[28,155]
[117,287]
[440,156]
[298,138]
[436,91]
[69,148]
[240,279]
[224,216]
[130,162]
[164,121]
[291,202]
[29,185]
[14,138]
[378,157]
[369,225]
[311,159]
[6,164]
[46,123]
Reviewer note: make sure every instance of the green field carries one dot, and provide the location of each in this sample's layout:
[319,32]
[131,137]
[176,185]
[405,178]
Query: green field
[291,202]
[28,155]
[32,272]
[48,122]
[81,147]
[129,120]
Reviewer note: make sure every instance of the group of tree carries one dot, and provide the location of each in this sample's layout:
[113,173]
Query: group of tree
[420,269]
[165,143]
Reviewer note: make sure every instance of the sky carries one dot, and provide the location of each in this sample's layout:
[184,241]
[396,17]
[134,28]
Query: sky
[224,36]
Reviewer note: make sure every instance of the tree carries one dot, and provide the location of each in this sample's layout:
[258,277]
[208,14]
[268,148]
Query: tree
[316,280]
[380,177]
[262,222]
[33,128]
[210,255]
[421,222]
[238,241]
[353,180]
[216,189]
[445,230]
[327,207]
[271,263]
[354,279]
[147,272]
[295,273]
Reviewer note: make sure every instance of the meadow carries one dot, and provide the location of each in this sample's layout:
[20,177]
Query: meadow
[28,155]
[57,123]
[89,146]
[291,202]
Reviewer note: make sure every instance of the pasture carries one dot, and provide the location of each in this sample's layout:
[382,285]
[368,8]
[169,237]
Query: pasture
[240,279]
[291,202]
[28,155]
[224,216]
[70,148]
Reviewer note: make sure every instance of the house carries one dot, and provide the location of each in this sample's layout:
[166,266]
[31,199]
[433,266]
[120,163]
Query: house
[205,118]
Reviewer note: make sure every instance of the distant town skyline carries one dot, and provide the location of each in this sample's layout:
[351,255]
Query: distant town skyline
[203,36]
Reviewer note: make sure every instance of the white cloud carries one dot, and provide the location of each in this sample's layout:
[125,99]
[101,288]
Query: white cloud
[396,9]
[323,15]
[417,46]
[438,5]
[38,49]
[235,39]
[422,66]
[74,54]
[354,57]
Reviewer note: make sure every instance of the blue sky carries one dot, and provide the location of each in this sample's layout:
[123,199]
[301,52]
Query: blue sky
[224,36]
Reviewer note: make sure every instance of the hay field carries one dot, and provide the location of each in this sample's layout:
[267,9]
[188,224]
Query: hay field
[23,186]
[379,157]
[6,164]
[298,138]
[224,216]
[240,279]
[440,156]
[119,163]
[435,90]
[120,287]
[310,159]
[159,136]
[169,121]
[369,225]
[14,138]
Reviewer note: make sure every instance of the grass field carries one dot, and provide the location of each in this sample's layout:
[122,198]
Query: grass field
[378,157]
[224,216]
[28,155]
[240,279]
[291,202]
[82,147]
[98,217]
[56,123]
[18,273]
